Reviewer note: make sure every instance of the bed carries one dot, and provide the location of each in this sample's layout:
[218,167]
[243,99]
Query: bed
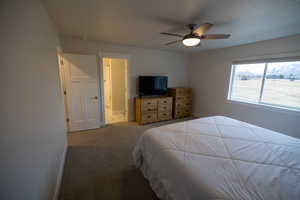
[216,158]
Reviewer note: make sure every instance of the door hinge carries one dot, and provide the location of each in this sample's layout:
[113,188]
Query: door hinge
[61,62]
[68,120]
[65,92]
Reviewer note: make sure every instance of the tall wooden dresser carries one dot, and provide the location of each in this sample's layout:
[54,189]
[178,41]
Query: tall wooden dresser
[148,110]
[182,106]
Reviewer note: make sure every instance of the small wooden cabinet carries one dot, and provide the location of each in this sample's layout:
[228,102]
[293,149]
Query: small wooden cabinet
[148,110]
[182,106]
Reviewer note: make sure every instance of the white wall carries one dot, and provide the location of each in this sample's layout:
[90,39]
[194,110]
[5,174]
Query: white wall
[209,77]
[142,62]
[33,136]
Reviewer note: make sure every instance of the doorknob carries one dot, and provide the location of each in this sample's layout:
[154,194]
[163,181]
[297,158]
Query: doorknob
[95,97]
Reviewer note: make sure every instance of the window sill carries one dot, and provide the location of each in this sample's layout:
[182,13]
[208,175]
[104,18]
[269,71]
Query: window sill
[267,107]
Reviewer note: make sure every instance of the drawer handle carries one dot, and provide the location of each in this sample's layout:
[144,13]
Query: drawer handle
[165,114]
[149,102]
[151,109]
[165,101]
[149,116]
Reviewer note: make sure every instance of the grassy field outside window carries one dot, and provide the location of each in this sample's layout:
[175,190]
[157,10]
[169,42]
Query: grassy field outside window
[276,84]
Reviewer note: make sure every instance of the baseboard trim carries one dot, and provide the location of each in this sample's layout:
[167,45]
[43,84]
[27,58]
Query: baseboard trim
[60,173]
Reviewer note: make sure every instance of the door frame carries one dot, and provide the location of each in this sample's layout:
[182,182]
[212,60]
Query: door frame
[63,87]
[110,91]
[104,54]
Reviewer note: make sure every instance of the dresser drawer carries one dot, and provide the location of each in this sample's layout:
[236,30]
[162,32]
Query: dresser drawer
[182,113]
[183,92]
[183,99]
[183,110]
[165,101]
[164,116]
[149,109]
[148,118]
[164,107]
[180,105]
[149,102]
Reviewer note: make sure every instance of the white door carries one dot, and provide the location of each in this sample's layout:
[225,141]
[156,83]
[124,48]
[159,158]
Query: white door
[82,91]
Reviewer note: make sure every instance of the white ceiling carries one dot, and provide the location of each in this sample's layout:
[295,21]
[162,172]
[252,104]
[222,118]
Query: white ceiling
[139,22]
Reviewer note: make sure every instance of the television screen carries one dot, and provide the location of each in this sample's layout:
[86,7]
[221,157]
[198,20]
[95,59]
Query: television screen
[153,85]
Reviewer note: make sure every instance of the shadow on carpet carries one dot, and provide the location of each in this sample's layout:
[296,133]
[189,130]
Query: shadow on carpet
[99,166]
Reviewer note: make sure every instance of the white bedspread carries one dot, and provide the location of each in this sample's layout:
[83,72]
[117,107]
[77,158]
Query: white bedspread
[219,158]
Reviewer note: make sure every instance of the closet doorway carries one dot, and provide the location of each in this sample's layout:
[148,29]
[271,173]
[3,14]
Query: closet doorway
[115,89]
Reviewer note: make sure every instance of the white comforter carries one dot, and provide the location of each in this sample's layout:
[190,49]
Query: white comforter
[219,158]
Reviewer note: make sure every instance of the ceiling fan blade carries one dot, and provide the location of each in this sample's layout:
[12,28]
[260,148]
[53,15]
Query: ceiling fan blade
[200,30]
[173,42]
[215,36]
[172,34]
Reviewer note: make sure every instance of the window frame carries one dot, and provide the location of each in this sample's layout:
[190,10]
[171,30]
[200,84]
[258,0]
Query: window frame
[259,103]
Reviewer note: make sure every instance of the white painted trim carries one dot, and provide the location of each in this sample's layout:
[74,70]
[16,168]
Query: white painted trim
[263,82]
[60,173]
[100,91]
[101,88]
[101,55]
[231,81]
[127,91]
[110,88]
[114,55]
[63,82]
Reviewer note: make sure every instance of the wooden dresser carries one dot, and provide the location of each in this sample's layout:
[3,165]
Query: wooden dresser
[182,106]
[148,110]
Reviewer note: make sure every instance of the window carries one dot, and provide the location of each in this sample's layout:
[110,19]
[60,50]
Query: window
[267,83]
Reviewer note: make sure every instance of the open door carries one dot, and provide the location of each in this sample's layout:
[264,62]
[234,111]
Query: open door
[81,91]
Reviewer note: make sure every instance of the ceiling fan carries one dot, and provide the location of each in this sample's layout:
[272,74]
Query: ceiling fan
[196,35]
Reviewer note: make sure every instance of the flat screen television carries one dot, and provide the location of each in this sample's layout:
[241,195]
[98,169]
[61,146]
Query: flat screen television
[153,85]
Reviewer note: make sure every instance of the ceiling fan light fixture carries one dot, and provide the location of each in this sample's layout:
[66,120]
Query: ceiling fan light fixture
[197,33]
[191,41]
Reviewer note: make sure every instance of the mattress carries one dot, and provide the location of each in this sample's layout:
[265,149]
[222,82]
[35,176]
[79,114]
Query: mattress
[217,158]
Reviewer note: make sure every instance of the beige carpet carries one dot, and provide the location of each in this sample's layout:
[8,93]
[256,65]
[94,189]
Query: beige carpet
[99,165]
